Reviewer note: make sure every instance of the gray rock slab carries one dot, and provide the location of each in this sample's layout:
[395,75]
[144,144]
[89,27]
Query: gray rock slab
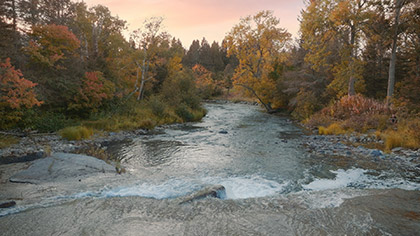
[61,166]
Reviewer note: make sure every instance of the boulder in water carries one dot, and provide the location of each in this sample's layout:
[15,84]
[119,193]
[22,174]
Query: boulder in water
[61,166]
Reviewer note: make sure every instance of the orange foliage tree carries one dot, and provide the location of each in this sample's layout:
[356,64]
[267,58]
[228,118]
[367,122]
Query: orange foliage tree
[51,43]
[16,91]
[203,80]
[94,90]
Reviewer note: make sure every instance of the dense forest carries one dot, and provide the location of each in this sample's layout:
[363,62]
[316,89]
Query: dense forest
[355,65]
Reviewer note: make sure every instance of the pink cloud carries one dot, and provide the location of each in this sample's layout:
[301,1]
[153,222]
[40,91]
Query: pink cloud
[193,19]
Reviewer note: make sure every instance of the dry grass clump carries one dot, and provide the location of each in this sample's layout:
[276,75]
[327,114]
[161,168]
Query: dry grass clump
[76,133]
[406,134]
[333,129]
[7,141]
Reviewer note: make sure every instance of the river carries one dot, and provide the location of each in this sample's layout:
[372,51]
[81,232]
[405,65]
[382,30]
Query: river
[272,186]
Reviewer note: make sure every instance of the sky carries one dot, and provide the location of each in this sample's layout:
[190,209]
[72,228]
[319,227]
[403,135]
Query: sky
[189,20]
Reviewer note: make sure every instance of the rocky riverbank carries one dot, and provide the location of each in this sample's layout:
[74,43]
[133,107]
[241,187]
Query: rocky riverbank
[350,149]
[359,148]
[35,146]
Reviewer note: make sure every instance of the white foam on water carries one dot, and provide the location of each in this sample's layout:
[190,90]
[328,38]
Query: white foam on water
[236,188]
[169,189]
[325,198]
[248,187]
[358,178]
[343,179]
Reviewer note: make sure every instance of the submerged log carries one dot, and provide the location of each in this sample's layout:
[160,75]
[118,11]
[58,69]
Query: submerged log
[216,191]
[7,204]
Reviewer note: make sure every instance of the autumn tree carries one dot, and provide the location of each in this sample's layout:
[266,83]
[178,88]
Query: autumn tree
[53,63]
[409,58]
[148,41]
[375,54]
[16,93]
[93,92]
[331,33]
[204,81]
[51,44]
[258,42]
[398,5]
[347,18]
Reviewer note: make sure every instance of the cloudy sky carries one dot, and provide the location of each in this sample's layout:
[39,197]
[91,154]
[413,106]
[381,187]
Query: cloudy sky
[195,19]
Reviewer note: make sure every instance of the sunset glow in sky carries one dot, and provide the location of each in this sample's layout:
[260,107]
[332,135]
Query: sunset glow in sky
[194,19]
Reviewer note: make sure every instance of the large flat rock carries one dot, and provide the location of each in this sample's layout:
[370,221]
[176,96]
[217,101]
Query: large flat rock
[61,166]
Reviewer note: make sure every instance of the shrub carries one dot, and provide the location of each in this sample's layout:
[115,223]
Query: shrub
[184,113]
[157,107]
[147,124]
[363,123]
[349,106]
[49,121]
[354,113]
[306,105]
[76,133]
[180,89]
[317,120]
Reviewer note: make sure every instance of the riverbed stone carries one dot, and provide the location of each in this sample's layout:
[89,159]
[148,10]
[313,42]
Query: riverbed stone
[376,153]
[397,149]
[61,166]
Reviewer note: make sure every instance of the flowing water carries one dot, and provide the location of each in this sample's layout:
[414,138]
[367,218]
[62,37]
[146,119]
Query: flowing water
[272,186]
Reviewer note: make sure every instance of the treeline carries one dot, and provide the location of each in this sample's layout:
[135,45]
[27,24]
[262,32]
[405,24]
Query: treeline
[368,47]
[365,47]
[355,67]
[62,62]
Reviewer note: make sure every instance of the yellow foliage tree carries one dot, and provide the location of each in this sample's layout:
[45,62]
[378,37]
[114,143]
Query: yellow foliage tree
[257,42]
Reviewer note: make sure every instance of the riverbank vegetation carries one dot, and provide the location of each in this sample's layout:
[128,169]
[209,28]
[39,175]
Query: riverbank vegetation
[66,67]
[354,68]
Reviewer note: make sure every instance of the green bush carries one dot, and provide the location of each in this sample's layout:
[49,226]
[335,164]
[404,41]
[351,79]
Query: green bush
[180,89]
[46,121]
[76,133]
[184,113]
[157,107]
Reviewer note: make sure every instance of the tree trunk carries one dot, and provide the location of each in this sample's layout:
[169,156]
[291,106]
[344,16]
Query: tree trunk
[14,15]
[352,80]
[391,74]
[267,106]
[144,70]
